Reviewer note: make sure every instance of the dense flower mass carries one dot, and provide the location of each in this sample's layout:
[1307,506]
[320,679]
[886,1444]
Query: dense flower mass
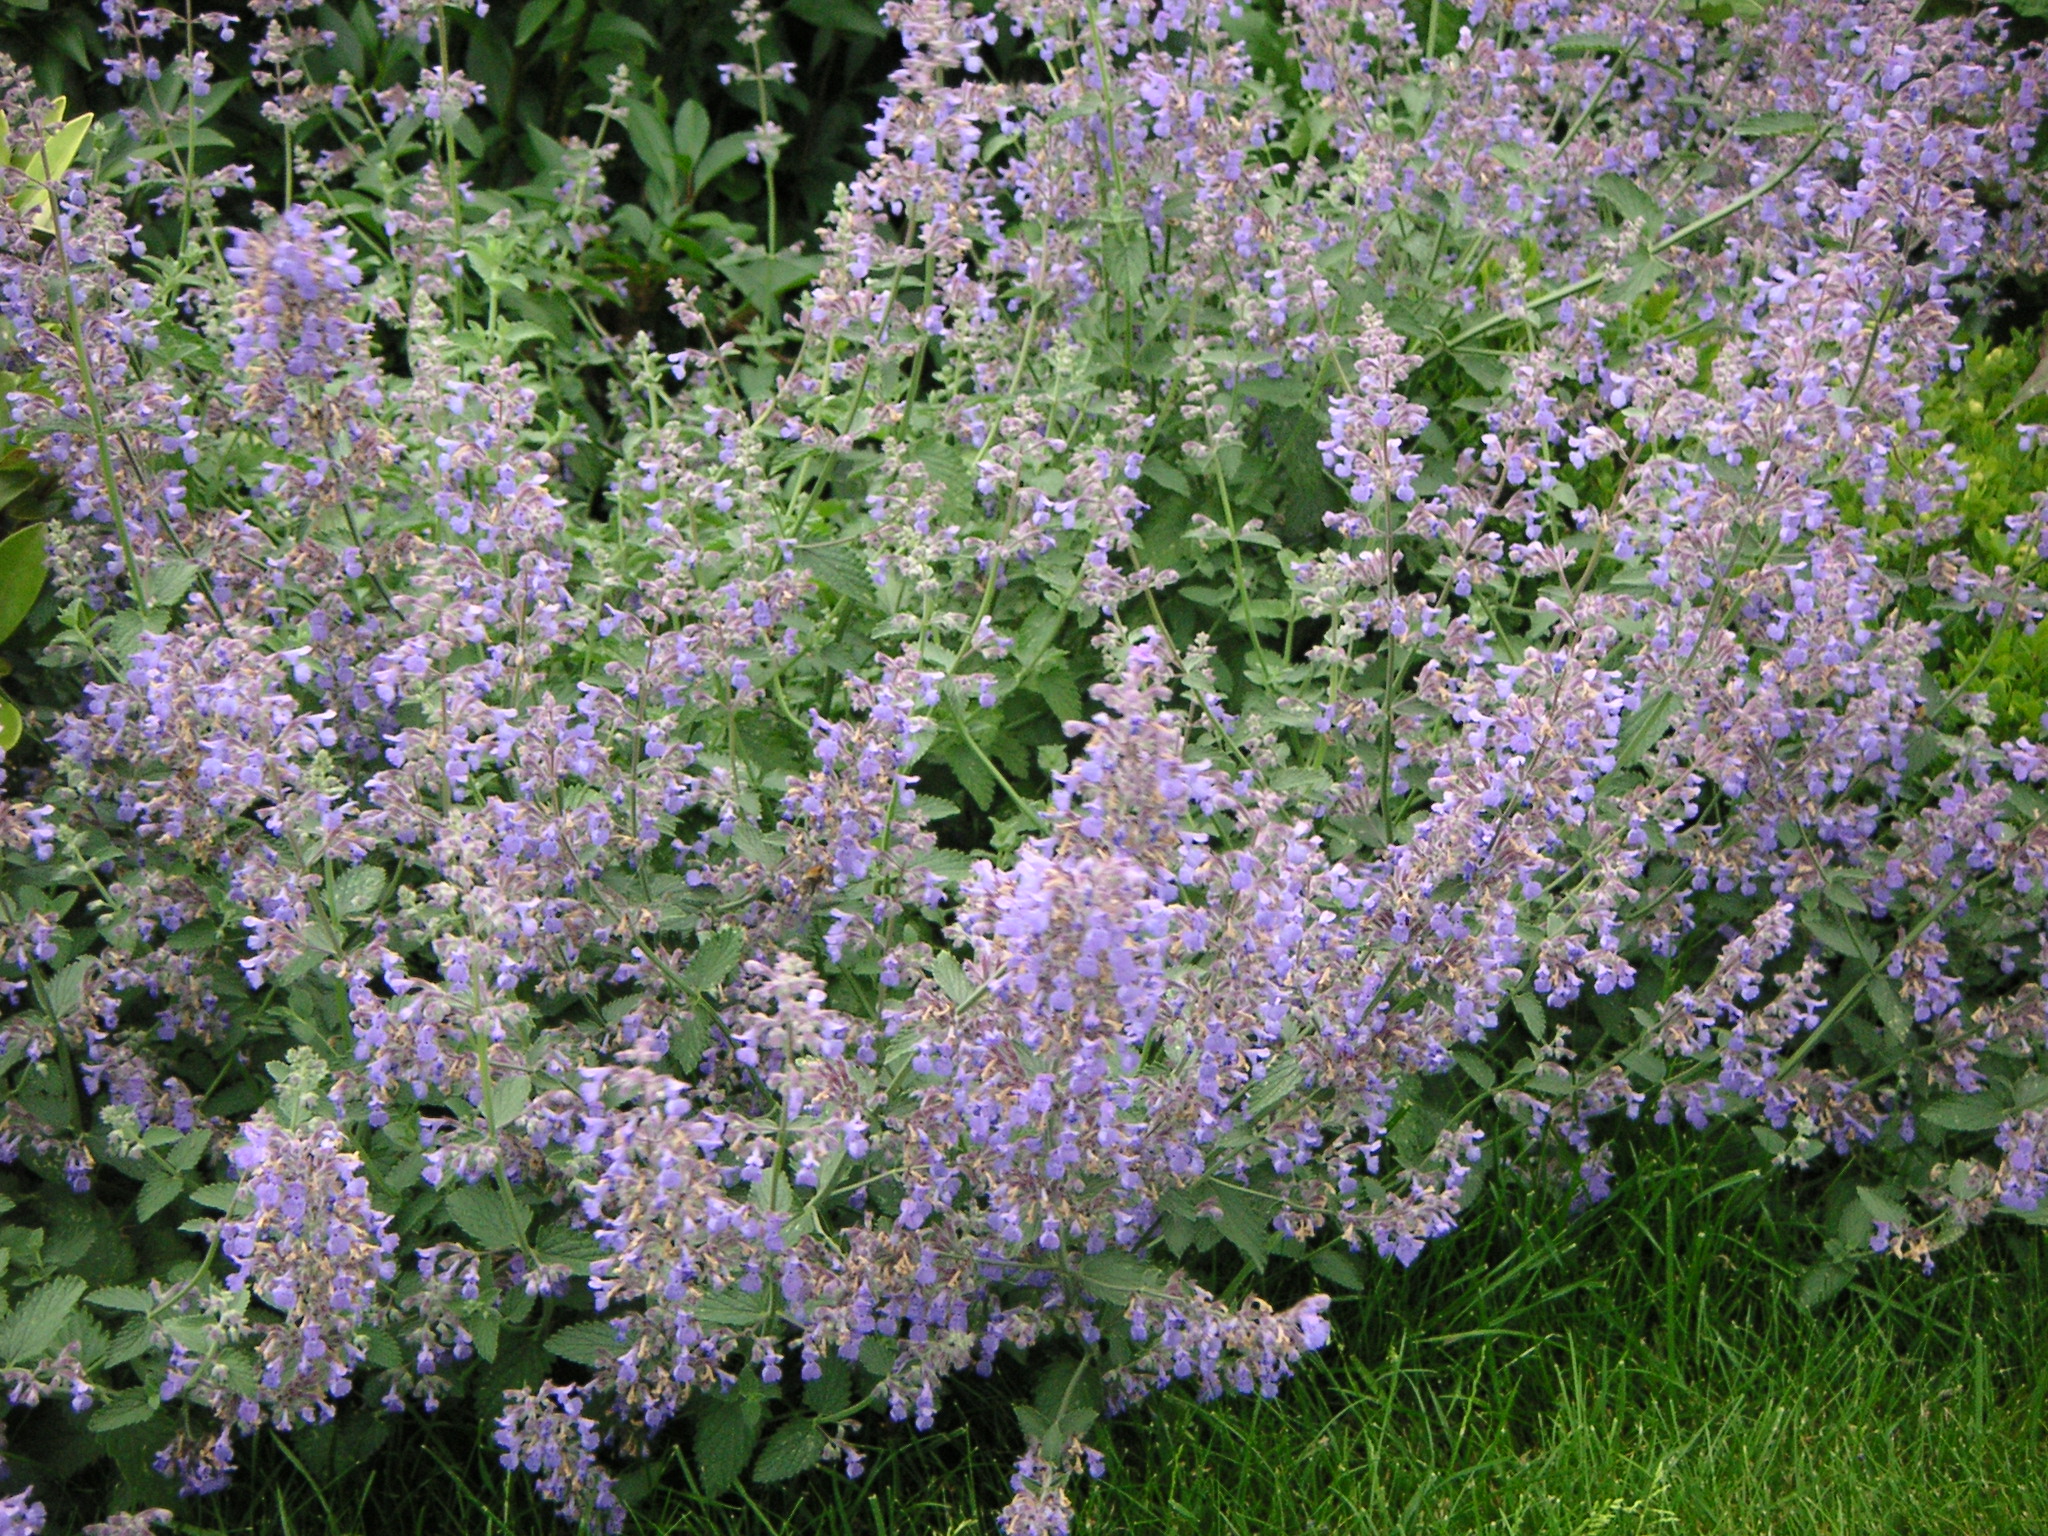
[1311,609]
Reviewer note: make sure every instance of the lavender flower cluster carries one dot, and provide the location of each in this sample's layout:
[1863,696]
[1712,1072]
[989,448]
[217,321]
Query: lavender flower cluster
[1307,613]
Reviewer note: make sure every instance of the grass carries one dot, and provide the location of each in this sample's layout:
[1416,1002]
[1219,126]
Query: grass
[1637,1368]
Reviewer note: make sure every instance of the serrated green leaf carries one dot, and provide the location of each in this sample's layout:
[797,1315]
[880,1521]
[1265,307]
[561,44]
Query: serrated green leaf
[67,990]
[878,1355]
[725,1442]
[490,1220]
[135,1340]
[38,1320]
[483,1328]
[1823,1283]
[190,1148]
[1476,1067]
[165,583]
[566,1246]
[1883,1206]
[1839,937]
[507,1100]
[730,1308]
[216,1197]
[1339,1268]
[586,1343]
[952,979]
[1964,1112]
[830,1392]
[124,1410]
[796,1447]
[1246,1221]
[1116,1276]
[716,956]
[120,1298]
[156,1194]
[1629,200]
[356,890]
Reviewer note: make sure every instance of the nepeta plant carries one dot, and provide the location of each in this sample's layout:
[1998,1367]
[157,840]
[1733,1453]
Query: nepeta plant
[1314,606]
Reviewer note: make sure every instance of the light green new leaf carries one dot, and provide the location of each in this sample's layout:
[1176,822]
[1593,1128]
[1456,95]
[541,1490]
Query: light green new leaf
[22,568]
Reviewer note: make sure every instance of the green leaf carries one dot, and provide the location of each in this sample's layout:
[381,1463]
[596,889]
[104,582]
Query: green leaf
[586,1343]
[1246,1220]
[356,890]
[165,584]
[37,1321]
[762,280]
[10,725]
[839,16]
[491,1221]
[567,1246]
[1823,1283]
[1883,1206]
[832,1390]
[1839,937]
[692,130]
[1964,1112]
[156,1194]
[1339,1268]
[46,164]
[794,1448]
[67,990]
[508,1097]
[1584,45]
[22,569]
[725,1441]
[1764,125]
[124,1410]
[484,1329]
[652,140]
[1629,200]
[1117,1277]
[718,159]
[952,980]
[532,17]
[216,1197]
[1898,1018]
[731,1307]
[714,961]
[1476,1067]
[190,1148]
[121,1298]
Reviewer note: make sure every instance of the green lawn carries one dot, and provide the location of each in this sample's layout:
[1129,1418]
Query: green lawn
[1637,1368]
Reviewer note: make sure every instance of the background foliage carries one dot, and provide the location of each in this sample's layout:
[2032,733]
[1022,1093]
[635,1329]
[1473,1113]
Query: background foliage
[675,837]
